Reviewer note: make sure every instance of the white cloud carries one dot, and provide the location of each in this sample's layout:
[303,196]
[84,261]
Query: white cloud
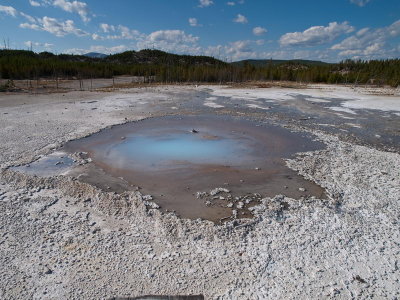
[128,34]
[205,3]
[119,32]
[9,10]
[78,7]
[374,50]
[244,50]
[123,33]
[30,26]
[370,43]
[97,37]
[233,51]
[28,17]
[360,2]
[107,28]
[239,46]
[316,35]
[81,8]
[362,31]
[54,26]
[172,36]
[232,3]
[46,46]
[34,3]
[259,30]
[394,29]
[193,22]
[99,49]
[29,43]
[260,42]
[240,19]
[176,41]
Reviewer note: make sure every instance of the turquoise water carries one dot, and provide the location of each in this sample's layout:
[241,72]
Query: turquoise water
[169,150]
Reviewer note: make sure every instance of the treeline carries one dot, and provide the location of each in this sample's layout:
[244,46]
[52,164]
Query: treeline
[166,67]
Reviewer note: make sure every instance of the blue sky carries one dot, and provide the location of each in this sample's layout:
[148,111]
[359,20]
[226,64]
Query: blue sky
[328,30]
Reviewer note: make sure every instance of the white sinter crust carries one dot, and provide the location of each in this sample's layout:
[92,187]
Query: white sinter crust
[64,239]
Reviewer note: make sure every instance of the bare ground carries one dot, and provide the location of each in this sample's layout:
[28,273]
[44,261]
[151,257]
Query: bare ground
[61,238]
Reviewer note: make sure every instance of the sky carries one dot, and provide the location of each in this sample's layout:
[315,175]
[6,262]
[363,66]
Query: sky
[327,30]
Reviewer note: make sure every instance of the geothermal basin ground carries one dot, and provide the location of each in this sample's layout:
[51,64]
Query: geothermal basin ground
[91,209]
[180,167]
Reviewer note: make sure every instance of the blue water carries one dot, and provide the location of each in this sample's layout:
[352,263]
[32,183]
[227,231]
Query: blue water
[172,149]
[51,165]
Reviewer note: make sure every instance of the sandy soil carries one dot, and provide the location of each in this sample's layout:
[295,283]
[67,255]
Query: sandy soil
[61,238]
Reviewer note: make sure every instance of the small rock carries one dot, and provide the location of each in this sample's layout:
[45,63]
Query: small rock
[302,189]
[96,230]
[147,197]
[200,195]
[151,205]
[218,190]
[240,205]
[234,213]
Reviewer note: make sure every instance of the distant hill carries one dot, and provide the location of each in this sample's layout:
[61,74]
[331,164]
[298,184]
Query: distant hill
[147,57]
[95,55]
[274,62]
[158,57]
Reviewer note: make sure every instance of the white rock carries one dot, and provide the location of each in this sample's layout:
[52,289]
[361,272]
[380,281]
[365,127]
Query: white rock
[147,197]
[218,190]
[240,205]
